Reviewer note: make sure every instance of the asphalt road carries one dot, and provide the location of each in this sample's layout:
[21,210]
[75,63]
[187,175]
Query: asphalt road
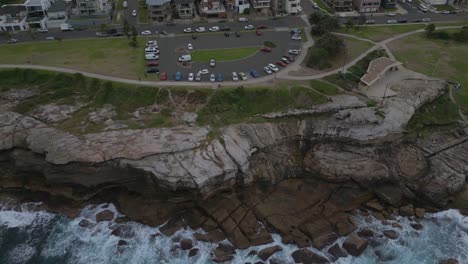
[127,12]
[171,48]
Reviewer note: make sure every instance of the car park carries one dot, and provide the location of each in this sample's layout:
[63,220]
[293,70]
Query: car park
[152,70]
[235,77]
[220,77]
[198,77]
[242,76]
[178,76]
[151,56]
[249,27]
[152,63]
[282,64]
[214,29]
[200,29]
[188,30]
[134,13]
[266,49]
[212,63]
[392,21]
[50,38]
[146,32]
[267,70]
[163,76]
[254,73]
[191,77]
[273,67]
[212,77]
[296,37]
[190,46]
[294,51]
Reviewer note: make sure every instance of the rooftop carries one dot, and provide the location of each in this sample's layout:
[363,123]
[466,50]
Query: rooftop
[12,9]
[33,2]
[376,68]
[157,2]
[59,5]
[181,2]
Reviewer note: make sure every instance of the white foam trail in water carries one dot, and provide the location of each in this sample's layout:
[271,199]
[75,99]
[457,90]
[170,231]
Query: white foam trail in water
[21,254]
[20,218]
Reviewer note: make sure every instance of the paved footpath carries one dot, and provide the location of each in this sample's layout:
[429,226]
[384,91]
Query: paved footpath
[283,74]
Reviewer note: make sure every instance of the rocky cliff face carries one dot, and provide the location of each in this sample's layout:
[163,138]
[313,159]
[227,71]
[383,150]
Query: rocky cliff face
[349,142]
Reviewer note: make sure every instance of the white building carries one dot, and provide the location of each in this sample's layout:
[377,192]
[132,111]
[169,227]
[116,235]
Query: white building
[241,5]
[13,18]
[286,7]
[92,7]
[37,12]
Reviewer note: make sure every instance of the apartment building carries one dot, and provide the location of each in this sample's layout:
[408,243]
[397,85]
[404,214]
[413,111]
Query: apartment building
[286,7]
[158,10]
[185,9]
[13,18]
[212,8]
[259,5]
[238,6]
[340,5]
[92,7]
[367,6]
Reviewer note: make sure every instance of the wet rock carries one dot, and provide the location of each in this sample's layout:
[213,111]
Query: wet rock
[156,235]
[364,212]
[449,261]
[259,262]
[193,252]
[324,240]
[223,252]
[365,232]
[121,220]
[223,259]
[85,223]
[277,261]
[391,234]
[384,256]
[378,216]
[238,239]
[186,244]
[173,225]
[374,205]
[122,243]
[213,236]
[419,212]
[355,245]
[306,256]
[252,252]
[209,225]
[407,210]
[337,252]
[397,225]
[390,194]
[416,226]
[266,253]
[123,231]
[105,215]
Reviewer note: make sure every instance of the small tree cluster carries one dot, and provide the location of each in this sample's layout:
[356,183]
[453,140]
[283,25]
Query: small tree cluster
[322,23]
[325,49]
[460,36]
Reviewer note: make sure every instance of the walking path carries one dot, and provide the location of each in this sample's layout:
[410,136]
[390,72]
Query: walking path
[284,74]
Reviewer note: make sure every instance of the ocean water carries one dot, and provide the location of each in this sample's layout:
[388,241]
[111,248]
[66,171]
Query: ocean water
[29,236]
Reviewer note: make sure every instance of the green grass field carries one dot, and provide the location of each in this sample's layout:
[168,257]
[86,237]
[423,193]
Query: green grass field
[223,54]
[322,5]
[444,59]
[324,87]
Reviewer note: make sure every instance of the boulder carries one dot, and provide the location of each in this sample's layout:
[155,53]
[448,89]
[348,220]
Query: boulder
[365,232]
[193,252]
[266,253]
[374,205]
[122,243]
[277,261]
[224,249]
[123,232]
[85,223]
[389,194]
[213,236]
[337,252]
[391,234]
[397,225]
[306,256]
[449,261]
[223,259]
[186,244]
[355,245]
[171,226]
[106,215]
[407,210]
[420,212]
[324,240]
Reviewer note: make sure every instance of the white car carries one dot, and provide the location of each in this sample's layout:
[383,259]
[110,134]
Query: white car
[273,67]
[188,30]
[50,38]
[146,32]
[214,29]
[243,19]
[249,27]
[242,76]
[391,14]
[134,13]
[190,77]
[315,5]
[294,51]
[235,78]
[151,56]
[43,30]
[392,21]
[151,50]
[189,46]
[426,19]
[267,70]
[212,63]
[151,43]
[296,37]
[198,77]
[204,71]
[200,29]
[212,77]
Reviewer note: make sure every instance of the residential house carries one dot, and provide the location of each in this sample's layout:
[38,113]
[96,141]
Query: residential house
[238,6]
[58,13]
[261,5]
[185,9]
[13,18]
[158,10]
[340,5]
[367,6]
[93,7]
[388,3]
[286,7]
[37,12]
[212,8]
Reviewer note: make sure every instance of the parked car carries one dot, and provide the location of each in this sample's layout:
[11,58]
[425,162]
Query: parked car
[258,33]
[426,19]
[370,21]
[291,59]
[163,76]
[188,30]
[392,21]
[226,34]
[295,31]
[212,63]
[243,19]
[416,20]
[294,51]
[267,70]
[198,77]
[200,29]
[212,78]
[249,27]
[151,56]
[191,77]
[282,64]
[43,30]
[254,73]
[117,34]
[214,29]
[242,76]
[235,77]
[50,38]
[194,36]
[285,60]
[445,12]
[178,76]
[273,67]
[190,46]
[391,14]
[225,28]
[152,70]
[204,71]
[152,43]
[101,34]
[266,49]
[152,63]
[296,37]
[220,77]
[261,27]
[164,33]
[170,23]
[146,32]
[134,13]
[151,50]
[125,4]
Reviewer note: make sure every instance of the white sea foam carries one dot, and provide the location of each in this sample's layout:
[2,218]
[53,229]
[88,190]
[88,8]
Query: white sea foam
[21,254]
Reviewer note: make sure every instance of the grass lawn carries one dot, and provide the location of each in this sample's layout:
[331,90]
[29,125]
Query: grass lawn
[437,58]
[443,7]
[303,35]
[324,87]
[379,33]
[322,5]
[109,56]
[223,54]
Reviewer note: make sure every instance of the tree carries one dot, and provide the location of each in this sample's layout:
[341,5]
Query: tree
[349,24]
[319,58]
[134,42]
[315,18]
[430,29]
[362,19]
[246,11]
[323,24]
[331,43]
[461,36]
[126,28]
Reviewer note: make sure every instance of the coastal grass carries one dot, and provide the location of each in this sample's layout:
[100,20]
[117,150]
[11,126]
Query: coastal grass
[142,12]
[324,87]
[438,58]
[223,54]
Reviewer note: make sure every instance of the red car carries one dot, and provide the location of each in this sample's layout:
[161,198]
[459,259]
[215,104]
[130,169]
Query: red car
[265,49]
[152,63]
[261,27]
[258,33]
[163,76]
[282,64]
